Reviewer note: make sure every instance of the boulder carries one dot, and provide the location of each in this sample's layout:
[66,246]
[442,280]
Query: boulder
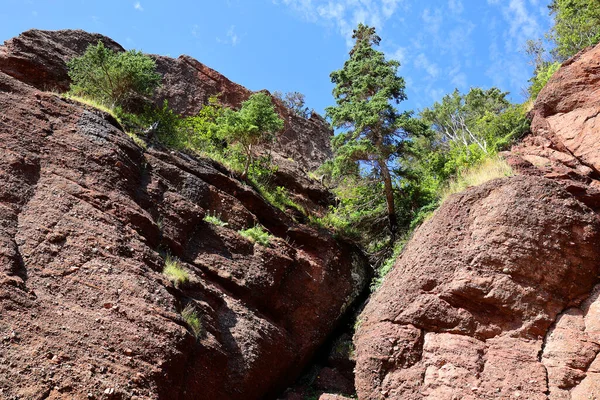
[470,309]
[565,141]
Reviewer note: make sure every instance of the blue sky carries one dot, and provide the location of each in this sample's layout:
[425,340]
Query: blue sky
[293,45]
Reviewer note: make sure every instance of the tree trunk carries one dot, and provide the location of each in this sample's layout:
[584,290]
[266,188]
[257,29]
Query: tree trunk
[389,198]
[248,160]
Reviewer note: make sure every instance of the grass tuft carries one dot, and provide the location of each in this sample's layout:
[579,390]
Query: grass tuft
[489,169]
[215,220]
[175,272]
[91,103]
[190,316]
[256,235]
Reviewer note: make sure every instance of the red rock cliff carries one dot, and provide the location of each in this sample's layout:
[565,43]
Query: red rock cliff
[86,217]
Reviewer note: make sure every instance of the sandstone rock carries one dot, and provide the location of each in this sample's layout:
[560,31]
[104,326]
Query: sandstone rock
[76,192]
[564,144]
[467,310]
[333,397]
[38,58]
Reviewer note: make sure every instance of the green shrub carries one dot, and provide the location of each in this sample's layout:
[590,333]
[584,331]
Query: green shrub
[175,272]
[112,78]
[255,123]
[256,235]
[190,316]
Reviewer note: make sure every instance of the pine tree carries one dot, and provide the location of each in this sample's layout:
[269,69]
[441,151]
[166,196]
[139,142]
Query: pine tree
[372,130]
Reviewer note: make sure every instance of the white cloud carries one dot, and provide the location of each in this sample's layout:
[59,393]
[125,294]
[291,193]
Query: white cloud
[345,15]
[433,20]
[138,6]
[231,38]
[456,6]
[421,61]
[400,54]
[523,24]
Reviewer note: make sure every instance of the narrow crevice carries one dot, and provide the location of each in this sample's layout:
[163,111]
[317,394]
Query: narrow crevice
[345,326]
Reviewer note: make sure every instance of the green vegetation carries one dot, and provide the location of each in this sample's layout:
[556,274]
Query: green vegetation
[372,132]
[576,26]
[175,272]
[541,78]
[90,102]
[215,220]
[190,316]
[257,235]
[111,78]
[255,123]
[488,169]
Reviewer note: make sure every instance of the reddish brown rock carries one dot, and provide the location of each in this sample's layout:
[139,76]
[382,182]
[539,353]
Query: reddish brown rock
[565,140]
[333,397]
[467,311]
[86,218]
[38,58]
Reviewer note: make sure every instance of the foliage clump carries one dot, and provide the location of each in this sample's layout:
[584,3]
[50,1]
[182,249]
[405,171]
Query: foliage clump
[192,319]
[576,26]
[113,78]
[175,272]
[257,234]
[255,123]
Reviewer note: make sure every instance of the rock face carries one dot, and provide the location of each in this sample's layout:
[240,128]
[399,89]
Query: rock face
[39,59]
[497,295]
[86,221]
[565,125]
[188,84]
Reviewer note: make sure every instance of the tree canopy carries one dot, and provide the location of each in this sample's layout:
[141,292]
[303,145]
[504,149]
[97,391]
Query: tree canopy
[576,26]
[113,78]
[255,123]
[372,131]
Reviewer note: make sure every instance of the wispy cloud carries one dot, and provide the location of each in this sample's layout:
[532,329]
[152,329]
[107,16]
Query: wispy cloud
[194,31]
[456,6]
[523,23]
[231,37]
[138,6]
[433,20]
[345,14]
[430,67]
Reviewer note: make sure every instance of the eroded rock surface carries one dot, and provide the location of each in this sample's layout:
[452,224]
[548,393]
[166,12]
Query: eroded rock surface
[86,218]
[466,311]
[496,296]
[565,140]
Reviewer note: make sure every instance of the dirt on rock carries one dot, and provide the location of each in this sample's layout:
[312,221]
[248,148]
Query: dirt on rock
[87,219]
